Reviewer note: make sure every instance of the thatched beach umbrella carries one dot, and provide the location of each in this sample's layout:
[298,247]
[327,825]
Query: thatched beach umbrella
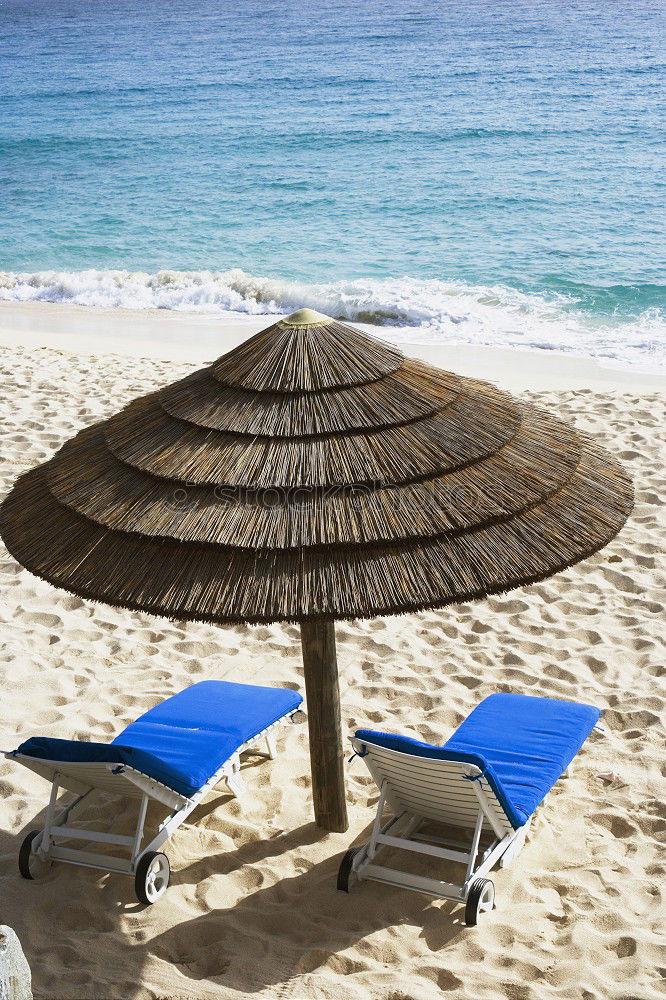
[314,474]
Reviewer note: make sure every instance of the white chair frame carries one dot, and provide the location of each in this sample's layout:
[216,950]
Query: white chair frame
[120,779]
[419,789]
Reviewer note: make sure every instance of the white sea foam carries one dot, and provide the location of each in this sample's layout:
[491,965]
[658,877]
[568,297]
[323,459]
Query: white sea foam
[424,310]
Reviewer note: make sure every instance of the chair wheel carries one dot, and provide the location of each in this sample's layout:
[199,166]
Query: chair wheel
[31,866]
[480,898]
[152,877]
[345,872]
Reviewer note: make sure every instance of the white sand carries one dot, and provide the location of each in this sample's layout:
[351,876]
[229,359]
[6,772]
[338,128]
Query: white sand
[252,909]
[198,337]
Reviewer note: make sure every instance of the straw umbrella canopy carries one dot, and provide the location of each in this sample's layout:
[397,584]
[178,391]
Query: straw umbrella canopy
[312,474]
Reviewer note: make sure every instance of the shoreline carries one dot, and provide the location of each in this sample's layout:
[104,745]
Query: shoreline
[170,335]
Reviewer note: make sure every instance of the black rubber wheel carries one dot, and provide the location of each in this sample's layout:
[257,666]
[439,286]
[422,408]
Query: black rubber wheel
[481,894]
[152,877]
[345,869]
[26,855]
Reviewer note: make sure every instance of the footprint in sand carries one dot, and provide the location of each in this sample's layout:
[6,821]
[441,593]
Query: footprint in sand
[41,618]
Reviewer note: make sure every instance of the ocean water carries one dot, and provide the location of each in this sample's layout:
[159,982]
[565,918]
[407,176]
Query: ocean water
[471,171]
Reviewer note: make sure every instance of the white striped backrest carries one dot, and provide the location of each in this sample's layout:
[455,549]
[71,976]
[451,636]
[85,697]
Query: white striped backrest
[435,789]
[78,777]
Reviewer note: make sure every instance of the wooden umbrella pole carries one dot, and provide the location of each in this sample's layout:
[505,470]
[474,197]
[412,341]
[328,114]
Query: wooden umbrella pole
[323,704]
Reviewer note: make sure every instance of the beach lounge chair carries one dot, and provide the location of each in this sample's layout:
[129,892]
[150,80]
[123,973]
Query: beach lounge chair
[175,753]
[486,780]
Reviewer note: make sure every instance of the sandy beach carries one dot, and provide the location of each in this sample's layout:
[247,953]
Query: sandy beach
[252,909]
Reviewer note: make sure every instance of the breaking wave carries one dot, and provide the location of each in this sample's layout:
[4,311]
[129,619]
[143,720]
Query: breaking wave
[621,324]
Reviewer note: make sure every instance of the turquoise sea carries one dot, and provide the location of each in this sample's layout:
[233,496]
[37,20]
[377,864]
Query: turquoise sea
[486,172]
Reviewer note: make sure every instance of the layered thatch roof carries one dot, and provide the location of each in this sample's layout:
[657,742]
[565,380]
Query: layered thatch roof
[314,472]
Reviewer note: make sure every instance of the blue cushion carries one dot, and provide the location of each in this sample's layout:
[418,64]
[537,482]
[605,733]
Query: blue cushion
[522,744]
[184,740]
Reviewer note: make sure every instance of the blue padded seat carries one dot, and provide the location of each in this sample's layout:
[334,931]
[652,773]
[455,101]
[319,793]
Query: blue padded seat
[184,740]
[522,744]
